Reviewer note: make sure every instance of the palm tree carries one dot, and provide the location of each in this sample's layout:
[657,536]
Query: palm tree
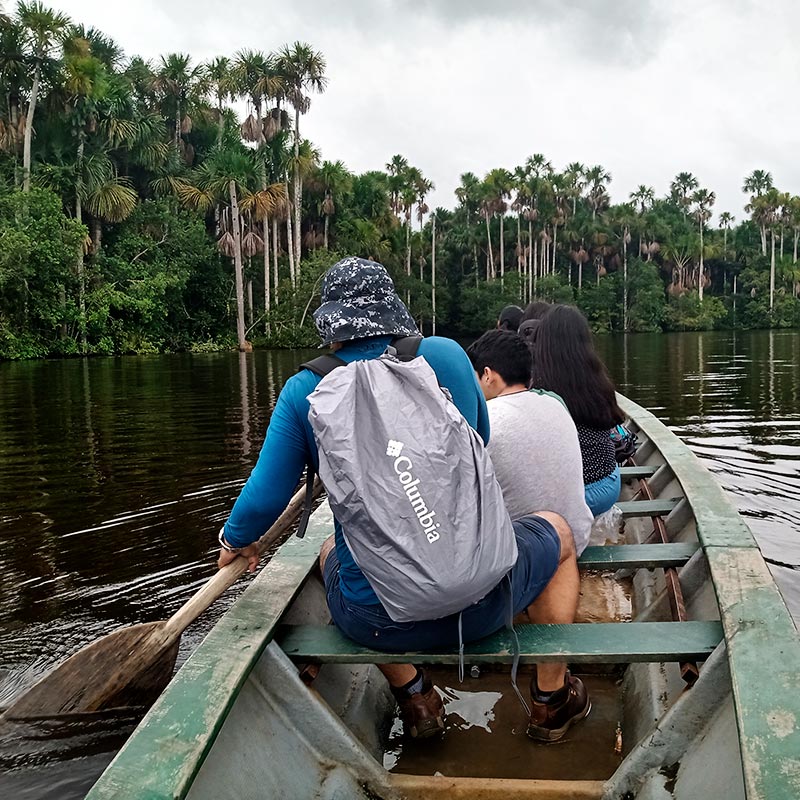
[43,30]
[13,78]
[86,84]
[756,184]
[228,176]
[303,71]
[704,200]
[468,194]
[597,178]
[499,183]
[681,189]
[794,221]
[335,179]
[222,86]
[176,81]
[575,176]
[422,186]
[726,220]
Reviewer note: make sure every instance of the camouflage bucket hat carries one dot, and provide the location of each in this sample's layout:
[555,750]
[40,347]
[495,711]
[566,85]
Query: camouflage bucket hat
[359,300]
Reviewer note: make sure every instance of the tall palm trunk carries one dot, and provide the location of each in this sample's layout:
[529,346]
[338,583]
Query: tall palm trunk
[80,262]
[238,269]
[555,240]
[772,272]
[490,256]
[433,276]
[26,152]
[763,240]
[267,292]
[794,254]
[275,238]
[580,275]
[289,236]
[221,125]
[624,280]
[177,124]
[502,252]
[408,258]
[325,231]
[701,268]
[298,189]
[532,275]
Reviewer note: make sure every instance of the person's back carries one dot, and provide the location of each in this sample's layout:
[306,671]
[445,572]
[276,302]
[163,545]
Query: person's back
[565,362]
[537,460]
[534,445]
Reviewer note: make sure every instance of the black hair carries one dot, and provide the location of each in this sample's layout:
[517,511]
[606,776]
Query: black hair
[565,362]
[504,352]
[536,310]
[509,318]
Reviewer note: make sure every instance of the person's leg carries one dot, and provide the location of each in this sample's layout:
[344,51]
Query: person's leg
[421,708]
[558,602]
[559,699]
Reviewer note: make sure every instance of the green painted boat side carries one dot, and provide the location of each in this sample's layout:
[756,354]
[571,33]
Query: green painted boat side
[762,650]
[162,757]
[762,640]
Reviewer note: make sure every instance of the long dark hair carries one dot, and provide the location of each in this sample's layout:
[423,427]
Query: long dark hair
[565,362]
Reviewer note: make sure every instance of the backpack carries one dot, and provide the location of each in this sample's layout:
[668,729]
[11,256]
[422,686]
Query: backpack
[411,484]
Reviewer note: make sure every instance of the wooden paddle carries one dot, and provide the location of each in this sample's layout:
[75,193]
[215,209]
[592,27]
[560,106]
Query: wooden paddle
[132,665]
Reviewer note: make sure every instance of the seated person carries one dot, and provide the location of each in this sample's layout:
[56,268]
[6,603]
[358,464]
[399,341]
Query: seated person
[565,362]
[509,318]
[359,315]
[534,445]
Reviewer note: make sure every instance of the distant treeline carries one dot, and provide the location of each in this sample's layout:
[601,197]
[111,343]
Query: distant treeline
[139,214]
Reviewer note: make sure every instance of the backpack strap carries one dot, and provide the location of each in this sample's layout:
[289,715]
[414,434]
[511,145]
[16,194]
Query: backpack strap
[406,347]
[323,365]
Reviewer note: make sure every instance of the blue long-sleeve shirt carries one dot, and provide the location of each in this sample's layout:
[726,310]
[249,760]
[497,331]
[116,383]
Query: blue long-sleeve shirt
[290,445]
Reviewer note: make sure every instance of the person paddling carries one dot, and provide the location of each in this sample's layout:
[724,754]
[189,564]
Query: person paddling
[360,316]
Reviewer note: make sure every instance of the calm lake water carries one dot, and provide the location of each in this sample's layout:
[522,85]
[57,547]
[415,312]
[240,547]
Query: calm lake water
[115,475]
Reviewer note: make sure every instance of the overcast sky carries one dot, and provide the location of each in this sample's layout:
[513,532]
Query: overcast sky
[647,89]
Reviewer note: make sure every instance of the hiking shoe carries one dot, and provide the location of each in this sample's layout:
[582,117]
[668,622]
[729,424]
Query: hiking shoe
[422,712]
[551,720]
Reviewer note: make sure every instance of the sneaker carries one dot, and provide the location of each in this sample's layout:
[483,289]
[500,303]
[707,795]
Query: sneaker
[551,720]
[422,713]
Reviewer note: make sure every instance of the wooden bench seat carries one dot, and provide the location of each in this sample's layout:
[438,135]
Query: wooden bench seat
[636,556]
[647,508]
[602,642]
[643,471]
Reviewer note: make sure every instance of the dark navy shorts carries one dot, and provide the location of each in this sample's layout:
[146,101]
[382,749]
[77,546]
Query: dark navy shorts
[539,553]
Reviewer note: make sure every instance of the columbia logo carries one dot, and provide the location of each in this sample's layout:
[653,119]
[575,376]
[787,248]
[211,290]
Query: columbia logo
[394,448]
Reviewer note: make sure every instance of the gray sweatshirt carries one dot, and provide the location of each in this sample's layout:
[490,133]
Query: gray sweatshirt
[537,459]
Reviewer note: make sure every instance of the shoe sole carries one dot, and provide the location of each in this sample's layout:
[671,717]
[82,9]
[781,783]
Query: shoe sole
[539,734]
[428,729]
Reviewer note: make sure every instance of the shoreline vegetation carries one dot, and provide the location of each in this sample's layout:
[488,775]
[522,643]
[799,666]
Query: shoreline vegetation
[141,213]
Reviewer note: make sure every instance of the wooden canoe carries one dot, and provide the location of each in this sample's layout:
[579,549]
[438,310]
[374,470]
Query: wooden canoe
[238,721]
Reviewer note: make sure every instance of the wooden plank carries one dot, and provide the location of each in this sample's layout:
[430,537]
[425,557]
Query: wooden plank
[644,471]
[439,787]
[602,642]
[164,754]
[647,508]
[636,556]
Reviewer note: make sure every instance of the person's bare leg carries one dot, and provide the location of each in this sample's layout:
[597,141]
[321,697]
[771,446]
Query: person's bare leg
[558,602]
[324,551]
[397,674]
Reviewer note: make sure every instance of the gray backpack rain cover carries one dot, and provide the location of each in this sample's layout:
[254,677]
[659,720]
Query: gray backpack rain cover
[413,487]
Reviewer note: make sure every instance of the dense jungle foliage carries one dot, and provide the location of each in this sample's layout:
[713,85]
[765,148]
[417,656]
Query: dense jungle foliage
[138,213]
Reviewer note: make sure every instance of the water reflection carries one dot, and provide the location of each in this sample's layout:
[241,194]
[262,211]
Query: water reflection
[733,398]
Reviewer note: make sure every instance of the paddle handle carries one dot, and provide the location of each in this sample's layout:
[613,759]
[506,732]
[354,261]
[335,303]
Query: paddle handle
[229,574]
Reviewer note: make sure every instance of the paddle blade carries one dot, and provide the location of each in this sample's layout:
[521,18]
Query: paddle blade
[130,666]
